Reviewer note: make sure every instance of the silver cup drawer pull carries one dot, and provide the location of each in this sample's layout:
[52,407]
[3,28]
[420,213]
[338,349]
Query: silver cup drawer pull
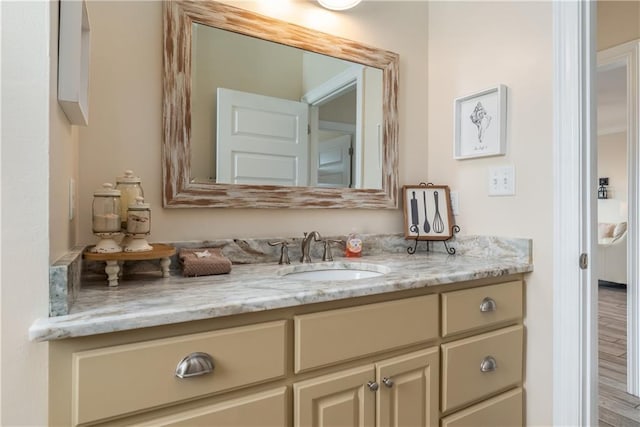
[488,364]
[487,305]
[194,365]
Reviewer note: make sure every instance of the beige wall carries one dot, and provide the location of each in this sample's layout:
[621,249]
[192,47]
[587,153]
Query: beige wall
[126,116]
[467,51]
[341,109]
[317,69]
[63,163]
[26,30]
[473,46]
[618,22]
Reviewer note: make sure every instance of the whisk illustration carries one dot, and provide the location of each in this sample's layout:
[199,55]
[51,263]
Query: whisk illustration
[438,225]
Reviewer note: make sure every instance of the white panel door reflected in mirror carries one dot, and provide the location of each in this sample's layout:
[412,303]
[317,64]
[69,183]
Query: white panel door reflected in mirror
[342,99]
[261,139]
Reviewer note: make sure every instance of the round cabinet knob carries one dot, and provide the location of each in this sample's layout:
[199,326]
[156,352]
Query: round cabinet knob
[373,386]
[488,364]
[487,305]
[388,382]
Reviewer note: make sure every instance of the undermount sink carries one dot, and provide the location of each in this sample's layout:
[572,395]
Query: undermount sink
[334,271]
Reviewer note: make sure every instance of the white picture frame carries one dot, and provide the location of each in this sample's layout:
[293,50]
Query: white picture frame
[73,61]
[480,124]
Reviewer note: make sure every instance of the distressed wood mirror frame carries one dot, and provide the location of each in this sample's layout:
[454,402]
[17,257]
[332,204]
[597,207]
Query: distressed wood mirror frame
[179,192]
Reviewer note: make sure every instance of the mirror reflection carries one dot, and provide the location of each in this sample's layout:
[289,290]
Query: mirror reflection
[264,113]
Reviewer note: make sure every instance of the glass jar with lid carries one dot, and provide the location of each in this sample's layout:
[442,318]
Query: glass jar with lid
[130,187]
[138,226]
[139,217]
[106,218]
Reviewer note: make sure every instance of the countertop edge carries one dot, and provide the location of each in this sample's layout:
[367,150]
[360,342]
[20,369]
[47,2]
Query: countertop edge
[82,324]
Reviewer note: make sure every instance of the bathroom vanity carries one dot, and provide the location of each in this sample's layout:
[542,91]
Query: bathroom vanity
[433,340]
[437,339]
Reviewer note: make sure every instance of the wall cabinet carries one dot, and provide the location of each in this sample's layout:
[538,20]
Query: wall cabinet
[448,355]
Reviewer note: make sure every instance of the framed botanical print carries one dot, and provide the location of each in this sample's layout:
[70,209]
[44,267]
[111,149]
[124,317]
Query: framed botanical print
[427,212]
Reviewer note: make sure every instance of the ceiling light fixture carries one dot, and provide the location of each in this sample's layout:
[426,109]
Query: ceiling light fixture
[339,4]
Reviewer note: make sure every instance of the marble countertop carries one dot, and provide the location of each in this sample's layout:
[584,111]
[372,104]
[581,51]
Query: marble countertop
[146,302]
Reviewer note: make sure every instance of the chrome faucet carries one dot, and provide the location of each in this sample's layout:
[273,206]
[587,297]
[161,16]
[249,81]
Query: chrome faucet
[306,244]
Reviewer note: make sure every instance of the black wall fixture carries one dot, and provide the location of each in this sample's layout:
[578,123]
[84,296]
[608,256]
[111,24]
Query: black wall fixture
[602,189]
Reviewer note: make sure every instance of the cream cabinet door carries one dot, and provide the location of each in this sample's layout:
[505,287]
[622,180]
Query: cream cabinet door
[409,390]
[343,399]
[266,409]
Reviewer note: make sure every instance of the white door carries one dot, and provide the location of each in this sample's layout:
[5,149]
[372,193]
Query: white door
[261,140]
[334,162]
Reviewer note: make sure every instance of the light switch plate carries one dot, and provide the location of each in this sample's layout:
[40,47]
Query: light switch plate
[455,202]
[72,198]
[502,181]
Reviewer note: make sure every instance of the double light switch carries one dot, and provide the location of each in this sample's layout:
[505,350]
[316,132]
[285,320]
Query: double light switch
[502,181]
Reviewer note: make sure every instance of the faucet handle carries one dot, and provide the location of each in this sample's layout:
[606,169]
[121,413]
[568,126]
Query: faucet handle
[327,256]
[284,251]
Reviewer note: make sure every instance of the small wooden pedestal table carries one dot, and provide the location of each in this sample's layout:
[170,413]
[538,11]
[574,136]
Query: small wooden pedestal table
[160,251]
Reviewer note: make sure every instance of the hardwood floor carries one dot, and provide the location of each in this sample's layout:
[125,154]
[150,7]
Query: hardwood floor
[616,407]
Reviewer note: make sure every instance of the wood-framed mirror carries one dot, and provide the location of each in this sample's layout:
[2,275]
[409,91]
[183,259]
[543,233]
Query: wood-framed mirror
[302,186]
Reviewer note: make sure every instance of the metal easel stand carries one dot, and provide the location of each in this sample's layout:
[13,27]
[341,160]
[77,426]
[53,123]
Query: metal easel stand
[415,229]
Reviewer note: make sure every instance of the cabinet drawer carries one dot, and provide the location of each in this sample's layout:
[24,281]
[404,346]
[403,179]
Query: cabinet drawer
[117,380]
[266,409]
[473,308]
[333,336]
[503,410]
[463,361]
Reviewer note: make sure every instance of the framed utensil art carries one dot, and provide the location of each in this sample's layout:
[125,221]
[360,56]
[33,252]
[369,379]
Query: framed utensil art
[427,212]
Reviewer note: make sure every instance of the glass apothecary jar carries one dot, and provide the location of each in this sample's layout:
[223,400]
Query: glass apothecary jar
[130,187]
[106,220]
[138,226]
